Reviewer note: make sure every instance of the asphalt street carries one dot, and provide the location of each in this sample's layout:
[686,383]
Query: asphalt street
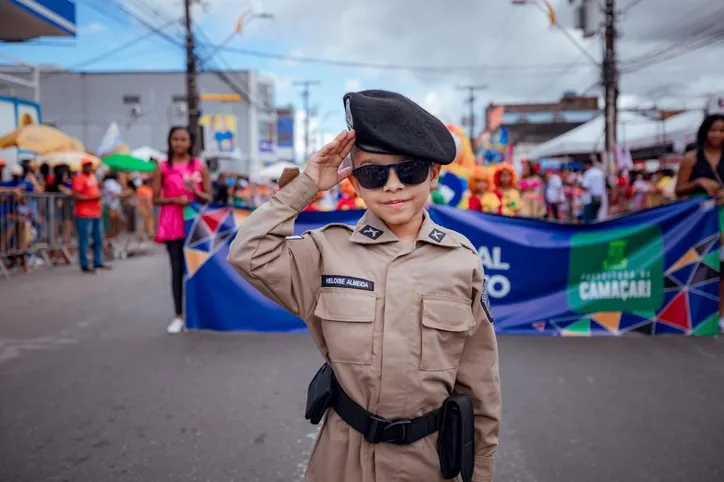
[92,389]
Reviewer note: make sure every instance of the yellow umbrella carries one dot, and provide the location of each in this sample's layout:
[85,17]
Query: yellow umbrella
[37,138]
[73,159]
[76,145]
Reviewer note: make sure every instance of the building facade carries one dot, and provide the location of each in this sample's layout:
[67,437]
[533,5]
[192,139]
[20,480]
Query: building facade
[530,124]
[238,116]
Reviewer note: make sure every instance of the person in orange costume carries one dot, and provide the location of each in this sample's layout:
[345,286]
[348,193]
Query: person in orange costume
[482,198]
[349,198]
[506,188]
[317,204]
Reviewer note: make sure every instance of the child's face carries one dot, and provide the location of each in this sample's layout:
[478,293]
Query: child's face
[505,178]
[395,203]
[481,186]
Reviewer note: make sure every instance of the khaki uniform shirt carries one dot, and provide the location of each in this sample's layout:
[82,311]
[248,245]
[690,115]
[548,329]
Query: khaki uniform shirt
[403,325]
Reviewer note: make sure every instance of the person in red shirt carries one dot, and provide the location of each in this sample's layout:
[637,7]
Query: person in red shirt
[87,195]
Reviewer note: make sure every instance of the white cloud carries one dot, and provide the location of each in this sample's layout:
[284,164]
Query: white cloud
[320,134]
[92,28]
[299,135]
[511,48]
[279,82]
[352,85]
[297,52]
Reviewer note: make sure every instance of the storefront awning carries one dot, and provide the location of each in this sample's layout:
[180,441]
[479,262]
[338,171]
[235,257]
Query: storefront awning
[28,19]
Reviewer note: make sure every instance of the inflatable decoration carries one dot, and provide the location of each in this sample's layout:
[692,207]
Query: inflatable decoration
[464,162]
[348,197]
[453,177]
[495,146]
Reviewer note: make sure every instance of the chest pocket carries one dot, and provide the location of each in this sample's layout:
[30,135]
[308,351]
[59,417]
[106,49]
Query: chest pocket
[445,324]
[347,321]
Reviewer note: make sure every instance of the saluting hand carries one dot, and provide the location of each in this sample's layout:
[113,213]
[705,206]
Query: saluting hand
[323,167]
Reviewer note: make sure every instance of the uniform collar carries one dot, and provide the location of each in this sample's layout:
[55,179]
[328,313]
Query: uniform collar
[372,230]
[433,233]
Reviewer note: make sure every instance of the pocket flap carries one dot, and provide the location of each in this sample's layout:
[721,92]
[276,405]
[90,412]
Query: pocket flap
[340,304]
[447,314]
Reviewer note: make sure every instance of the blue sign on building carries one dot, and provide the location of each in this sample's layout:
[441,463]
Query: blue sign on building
[285,132]
[28,19]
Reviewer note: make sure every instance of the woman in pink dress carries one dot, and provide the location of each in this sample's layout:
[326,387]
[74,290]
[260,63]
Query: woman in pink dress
[178,180]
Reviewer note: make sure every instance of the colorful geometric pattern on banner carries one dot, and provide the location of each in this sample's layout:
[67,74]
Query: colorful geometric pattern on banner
[653,272]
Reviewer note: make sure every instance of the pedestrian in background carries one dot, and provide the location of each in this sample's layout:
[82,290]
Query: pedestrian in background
[87,195]
[593,184]
[177,181]
[147,230]
[702,172]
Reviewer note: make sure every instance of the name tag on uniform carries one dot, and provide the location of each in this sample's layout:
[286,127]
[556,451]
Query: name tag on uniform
[335,281]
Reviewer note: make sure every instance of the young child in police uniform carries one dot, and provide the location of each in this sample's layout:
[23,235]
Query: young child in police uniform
[396,304]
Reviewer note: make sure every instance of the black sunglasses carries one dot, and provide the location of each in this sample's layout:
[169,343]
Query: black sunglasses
[410,173]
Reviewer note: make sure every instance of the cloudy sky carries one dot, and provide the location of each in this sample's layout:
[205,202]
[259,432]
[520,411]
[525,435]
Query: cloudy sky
[670,50]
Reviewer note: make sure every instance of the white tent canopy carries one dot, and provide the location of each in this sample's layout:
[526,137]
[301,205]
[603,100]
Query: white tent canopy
[679,130]
[590,137]
[147,153]
[275,170]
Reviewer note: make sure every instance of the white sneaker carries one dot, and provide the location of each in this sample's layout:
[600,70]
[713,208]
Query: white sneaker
[176,326]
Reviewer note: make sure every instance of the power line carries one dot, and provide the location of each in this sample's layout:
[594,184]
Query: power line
[691,32]
[631,5]
[115,50]
[147,24]
[224,77]
[677,51]
[379,66]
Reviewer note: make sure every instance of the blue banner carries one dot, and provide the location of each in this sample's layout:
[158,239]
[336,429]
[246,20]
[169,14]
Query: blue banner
[285,132]
[653,272]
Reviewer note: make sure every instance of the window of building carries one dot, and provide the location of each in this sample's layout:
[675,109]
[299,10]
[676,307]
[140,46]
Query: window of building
[266,131]
[131,99]
[265,96]
[177,99]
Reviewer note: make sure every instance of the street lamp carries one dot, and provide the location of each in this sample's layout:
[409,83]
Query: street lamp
[548,9]
[243,21]
[545,5]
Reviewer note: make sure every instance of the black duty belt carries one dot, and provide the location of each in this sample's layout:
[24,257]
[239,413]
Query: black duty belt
[401,431]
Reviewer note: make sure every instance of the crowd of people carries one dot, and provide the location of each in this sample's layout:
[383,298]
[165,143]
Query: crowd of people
[38,205]
[568,194]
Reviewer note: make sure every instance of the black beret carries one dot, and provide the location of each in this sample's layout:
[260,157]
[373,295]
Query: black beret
[390,123]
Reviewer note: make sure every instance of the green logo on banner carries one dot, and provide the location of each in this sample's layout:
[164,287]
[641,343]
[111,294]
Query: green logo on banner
[616,270]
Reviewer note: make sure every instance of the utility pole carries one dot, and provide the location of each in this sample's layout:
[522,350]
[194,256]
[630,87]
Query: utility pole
[471,104]
[610,80]
[306,84]
[192,93]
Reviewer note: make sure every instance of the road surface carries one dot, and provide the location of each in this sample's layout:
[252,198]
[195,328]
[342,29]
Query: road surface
[92,389]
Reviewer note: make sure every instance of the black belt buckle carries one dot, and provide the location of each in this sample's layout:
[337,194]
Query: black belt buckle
[381,430]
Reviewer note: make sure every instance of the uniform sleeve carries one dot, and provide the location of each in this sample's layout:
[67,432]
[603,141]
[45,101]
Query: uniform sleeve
[285,270]
[478,378]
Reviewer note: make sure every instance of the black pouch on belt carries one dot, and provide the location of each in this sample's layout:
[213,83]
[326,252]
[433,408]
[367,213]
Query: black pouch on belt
[319,394]
[456,441]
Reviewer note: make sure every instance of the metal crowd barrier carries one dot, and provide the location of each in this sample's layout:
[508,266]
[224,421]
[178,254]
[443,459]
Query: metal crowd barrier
[35,229]
[39,229]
